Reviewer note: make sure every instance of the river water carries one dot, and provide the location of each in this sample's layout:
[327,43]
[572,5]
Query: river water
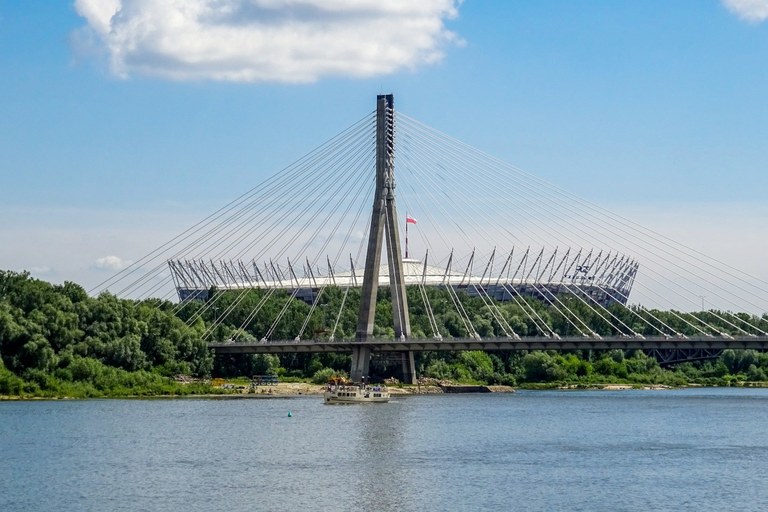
[691,449]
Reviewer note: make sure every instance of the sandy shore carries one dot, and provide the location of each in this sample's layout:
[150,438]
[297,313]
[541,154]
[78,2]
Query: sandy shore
[296,389]
[617,387]
[283,389]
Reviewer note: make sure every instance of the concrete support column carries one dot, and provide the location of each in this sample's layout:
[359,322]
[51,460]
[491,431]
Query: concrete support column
[384,227]
[408,368]
[370,288]
[361,361]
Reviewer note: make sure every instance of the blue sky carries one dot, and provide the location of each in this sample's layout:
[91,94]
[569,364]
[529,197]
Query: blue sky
[654,109]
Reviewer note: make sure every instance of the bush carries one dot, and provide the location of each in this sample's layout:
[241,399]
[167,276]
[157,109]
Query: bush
[540,366]
[755,374]
[326,374]
[439,369]
[10,384]
[478,363]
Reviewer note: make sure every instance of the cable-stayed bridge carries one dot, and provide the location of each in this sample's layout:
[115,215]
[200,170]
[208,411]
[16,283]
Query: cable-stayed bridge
[496,259]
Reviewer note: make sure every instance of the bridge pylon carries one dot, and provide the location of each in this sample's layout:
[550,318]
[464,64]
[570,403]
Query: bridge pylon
[384,226]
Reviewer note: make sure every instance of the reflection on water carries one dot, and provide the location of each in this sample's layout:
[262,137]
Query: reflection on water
[379,446]
[630,450]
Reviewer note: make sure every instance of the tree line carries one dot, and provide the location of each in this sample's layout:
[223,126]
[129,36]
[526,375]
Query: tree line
[56,340]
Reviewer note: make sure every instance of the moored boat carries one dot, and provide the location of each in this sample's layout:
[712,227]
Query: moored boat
[345,393]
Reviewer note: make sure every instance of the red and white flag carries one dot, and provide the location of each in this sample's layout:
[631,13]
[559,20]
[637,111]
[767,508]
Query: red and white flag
[409,220]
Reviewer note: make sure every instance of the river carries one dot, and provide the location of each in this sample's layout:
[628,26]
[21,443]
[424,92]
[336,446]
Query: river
[689,449]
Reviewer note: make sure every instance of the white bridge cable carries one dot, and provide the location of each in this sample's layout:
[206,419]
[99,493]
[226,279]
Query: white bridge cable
[524,305]
[685,320]
[674,313]
[543,328]
[560,306]
[408,168]
[340,190]
[333,186]
[510,287]
[578,294]
[272,215]
[497,315]
[352,279]
[572,226]
[425,299]
[455,299]
[265,298]
[490,303]
[413,167]
[495,184]
[330,173]
[343,200]
[581,292]
[343,245]
[580,203]
[278,225]
[571,290]
[288,174]
[476,214]
[269,214]
[352,228]
[211,303]
[321,225]
[430,313]
[480,213]
[508,168]
[272,207]
[642,309]
[426,166]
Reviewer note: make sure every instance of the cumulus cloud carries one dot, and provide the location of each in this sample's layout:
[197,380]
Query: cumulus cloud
[111,263]
[751,10]
[268,40]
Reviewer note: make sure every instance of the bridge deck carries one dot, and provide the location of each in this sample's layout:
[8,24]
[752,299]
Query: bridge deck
[527,343]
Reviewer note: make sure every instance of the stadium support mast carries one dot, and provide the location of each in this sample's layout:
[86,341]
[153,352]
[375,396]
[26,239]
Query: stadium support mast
[384,225]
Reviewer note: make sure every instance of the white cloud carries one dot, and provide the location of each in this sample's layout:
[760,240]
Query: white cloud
[268,40]
[111,263]
[751,10]
[42,270]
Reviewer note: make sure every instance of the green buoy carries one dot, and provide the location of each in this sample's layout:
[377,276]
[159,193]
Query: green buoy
[289,414]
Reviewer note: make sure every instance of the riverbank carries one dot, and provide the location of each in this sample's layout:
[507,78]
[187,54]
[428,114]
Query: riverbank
[286,389]
[296,389]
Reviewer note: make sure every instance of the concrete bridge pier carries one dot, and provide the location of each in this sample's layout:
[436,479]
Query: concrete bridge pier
[361,363]
[407,368]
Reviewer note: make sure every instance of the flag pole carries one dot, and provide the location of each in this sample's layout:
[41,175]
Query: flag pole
[406,235]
